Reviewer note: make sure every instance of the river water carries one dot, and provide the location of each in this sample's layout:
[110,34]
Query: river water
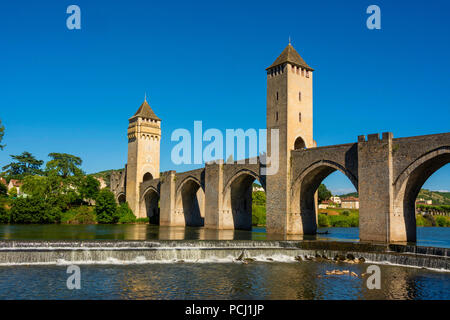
[427,236]
[257,280]
[210,279]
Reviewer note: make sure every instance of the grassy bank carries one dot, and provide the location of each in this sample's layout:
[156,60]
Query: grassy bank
[338,217]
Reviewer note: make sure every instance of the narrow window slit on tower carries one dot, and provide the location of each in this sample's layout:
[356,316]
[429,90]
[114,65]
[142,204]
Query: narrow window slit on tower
[299,117]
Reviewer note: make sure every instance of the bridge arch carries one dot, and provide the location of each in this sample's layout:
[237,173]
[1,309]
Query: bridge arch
[237,197]
[121,197]
[149,204]
[304,187]
[190,201]
[407,187]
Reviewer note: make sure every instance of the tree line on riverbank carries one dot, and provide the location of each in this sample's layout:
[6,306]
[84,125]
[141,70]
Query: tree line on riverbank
[59,192]
[345,218]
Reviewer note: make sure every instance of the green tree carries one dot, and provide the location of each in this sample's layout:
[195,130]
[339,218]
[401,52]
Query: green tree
[89,188]
[106,207]
[2,133]
[324,193]
[259,198]
[64,164]
[323,220]
[34,210]
[4,214]
[125,214]
[24,164]
[36,186]
[3,190]
[12,193]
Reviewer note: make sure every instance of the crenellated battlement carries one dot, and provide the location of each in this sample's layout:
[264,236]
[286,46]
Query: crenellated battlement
[375,137]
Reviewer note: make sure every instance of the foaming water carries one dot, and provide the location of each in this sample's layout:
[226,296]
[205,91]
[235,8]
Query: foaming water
[169,251]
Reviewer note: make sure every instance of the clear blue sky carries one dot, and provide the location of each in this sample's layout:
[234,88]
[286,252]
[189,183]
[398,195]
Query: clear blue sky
[73,91]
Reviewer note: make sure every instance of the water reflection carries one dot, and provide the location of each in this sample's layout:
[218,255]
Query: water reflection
[431,236]
[259,280]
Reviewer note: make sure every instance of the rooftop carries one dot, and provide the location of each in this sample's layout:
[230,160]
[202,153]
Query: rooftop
[290,55]
[145,111]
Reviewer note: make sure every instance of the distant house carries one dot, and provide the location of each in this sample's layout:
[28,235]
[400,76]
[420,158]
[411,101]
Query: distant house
[423,201]
[336,199]
[327,204]
[323,204]
[350,203]
[258,188]
[13,183]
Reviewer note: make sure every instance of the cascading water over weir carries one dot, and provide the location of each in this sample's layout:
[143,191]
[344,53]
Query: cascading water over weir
[169,251]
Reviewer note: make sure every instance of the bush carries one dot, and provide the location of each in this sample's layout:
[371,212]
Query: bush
[442,221]
[340,221]
[80,215]
[142,220]
[429,220]
[259,198]
[3,190]
[424,220]
[420,221]
[258,215]
[354,221]
[345,213]
[125,214]
[106,207]
[89,188]
[34,210]
[12,193]
[4,214]
[323,220]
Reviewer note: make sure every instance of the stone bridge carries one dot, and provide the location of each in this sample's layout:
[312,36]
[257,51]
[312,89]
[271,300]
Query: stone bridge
[217,196]
[388,174]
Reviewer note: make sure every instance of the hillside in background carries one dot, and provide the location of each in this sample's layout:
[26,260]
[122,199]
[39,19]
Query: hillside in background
[351,194]
[438,197]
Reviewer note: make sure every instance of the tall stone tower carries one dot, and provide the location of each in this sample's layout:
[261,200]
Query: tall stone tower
[290,110]
[144,136]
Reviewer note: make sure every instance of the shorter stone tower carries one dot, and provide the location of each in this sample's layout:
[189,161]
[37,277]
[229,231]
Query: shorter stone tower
[144,136]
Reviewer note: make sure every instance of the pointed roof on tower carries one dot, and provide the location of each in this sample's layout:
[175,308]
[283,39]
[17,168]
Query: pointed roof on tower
[145,111]
[290,55]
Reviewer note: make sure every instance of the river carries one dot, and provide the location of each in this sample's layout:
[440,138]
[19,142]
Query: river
[271,279]
[427,236]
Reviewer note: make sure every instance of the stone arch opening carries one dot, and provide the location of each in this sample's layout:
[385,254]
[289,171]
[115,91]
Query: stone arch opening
[150,205]
[191,202]
[299,143]
[304,196]
[407,187]
[121,198]
[238,199]
[147,176]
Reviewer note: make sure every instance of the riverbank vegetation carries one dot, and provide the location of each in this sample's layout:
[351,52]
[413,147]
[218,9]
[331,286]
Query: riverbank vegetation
[341,217]
[59,192]
[259,208]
